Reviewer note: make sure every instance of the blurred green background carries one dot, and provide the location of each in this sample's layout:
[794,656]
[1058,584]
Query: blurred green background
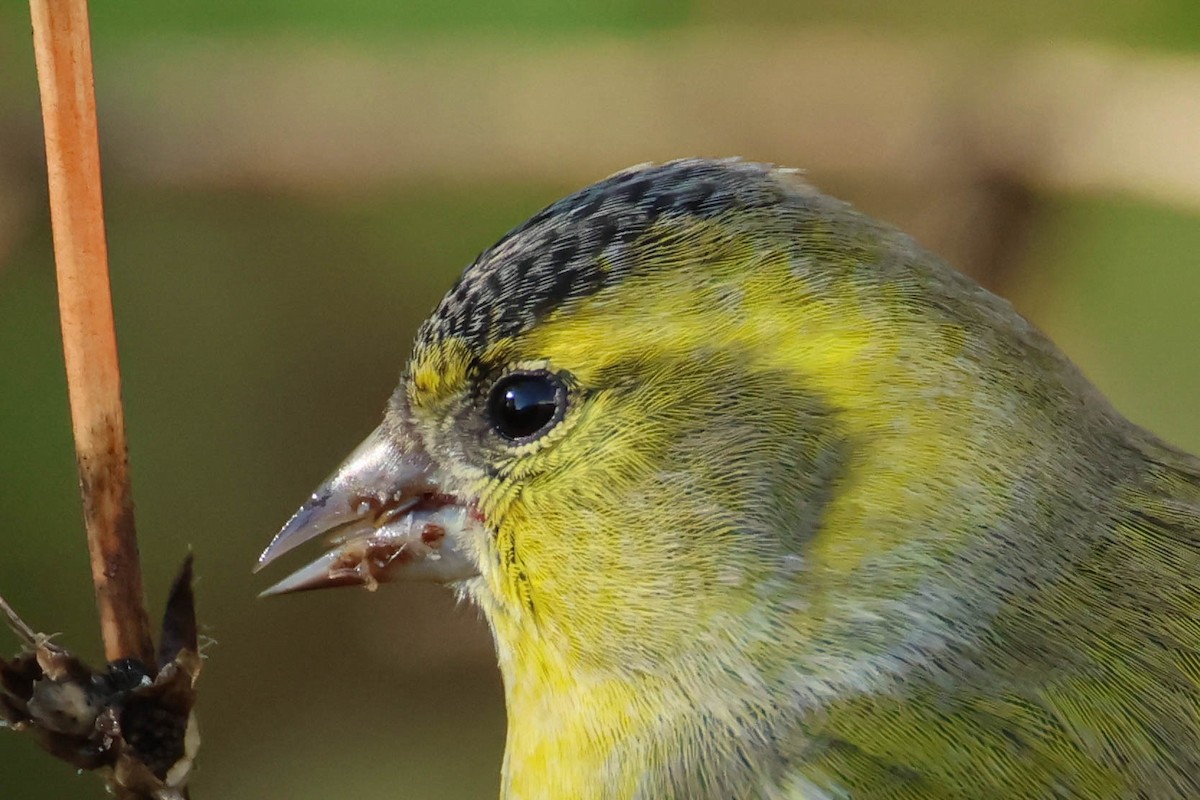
[290,186]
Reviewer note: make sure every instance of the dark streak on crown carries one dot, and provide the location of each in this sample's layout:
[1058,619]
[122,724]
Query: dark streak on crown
[573,248]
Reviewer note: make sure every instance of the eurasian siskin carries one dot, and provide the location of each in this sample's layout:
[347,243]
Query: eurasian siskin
[761,500]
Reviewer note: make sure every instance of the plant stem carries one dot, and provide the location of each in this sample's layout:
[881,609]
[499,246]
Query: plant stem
[64,63]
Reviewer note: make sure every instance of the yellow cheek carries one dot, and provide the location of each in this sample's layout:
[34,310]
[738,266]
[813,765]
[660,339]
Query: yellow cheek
[862,349]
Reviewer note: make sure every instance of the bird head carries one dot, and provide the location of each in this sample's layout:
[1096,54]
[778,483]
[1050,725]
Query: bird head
[699,425]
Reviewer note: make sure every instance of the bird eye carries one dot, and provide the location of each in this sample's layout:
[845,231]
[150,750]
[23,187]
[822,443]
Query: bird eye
[524,405]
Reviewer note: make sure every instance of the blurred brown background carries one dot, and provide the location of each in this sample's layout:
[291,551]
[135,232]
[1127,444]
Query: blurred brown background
[290,187]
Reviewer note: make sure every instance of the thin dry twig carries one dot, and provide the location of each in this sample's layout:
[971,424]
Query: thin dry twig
[64,65]
[132,720]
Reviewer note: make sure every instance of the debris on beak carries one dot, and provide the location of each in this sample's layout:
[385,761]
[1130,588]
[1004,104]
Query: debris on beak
[386,517]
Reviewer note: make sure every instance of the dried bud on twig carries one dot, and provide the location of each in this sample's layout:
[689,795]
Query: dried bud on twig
[133,722]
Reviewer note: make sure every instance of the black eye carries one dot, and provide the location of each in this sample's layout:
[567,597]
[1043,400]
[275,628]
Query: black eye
[525,405]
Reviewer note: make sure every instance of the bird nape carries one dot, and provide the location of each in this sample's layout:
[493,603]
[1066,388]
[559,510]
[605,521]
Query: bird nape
[761,500]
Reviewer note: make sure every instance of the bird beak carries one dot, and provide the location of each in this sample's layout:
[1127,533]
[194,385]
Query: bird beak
[387,517]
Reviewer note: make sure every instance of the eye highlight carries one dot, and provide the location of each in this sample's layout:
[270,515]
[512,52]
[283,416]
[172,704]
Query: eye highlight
[525,405]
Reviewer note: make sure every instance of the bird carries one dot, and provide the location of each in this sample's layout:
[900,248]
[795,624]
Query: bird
[760,499]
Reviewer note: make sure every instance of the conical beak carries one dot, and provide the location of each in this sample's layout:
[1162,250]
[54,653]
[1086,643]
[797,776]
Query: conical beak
[387,516]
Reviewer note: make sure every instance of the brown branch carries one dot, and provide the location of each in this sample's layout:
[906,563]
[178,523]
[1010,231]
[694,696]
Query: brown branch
[137,726]
[64,66]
